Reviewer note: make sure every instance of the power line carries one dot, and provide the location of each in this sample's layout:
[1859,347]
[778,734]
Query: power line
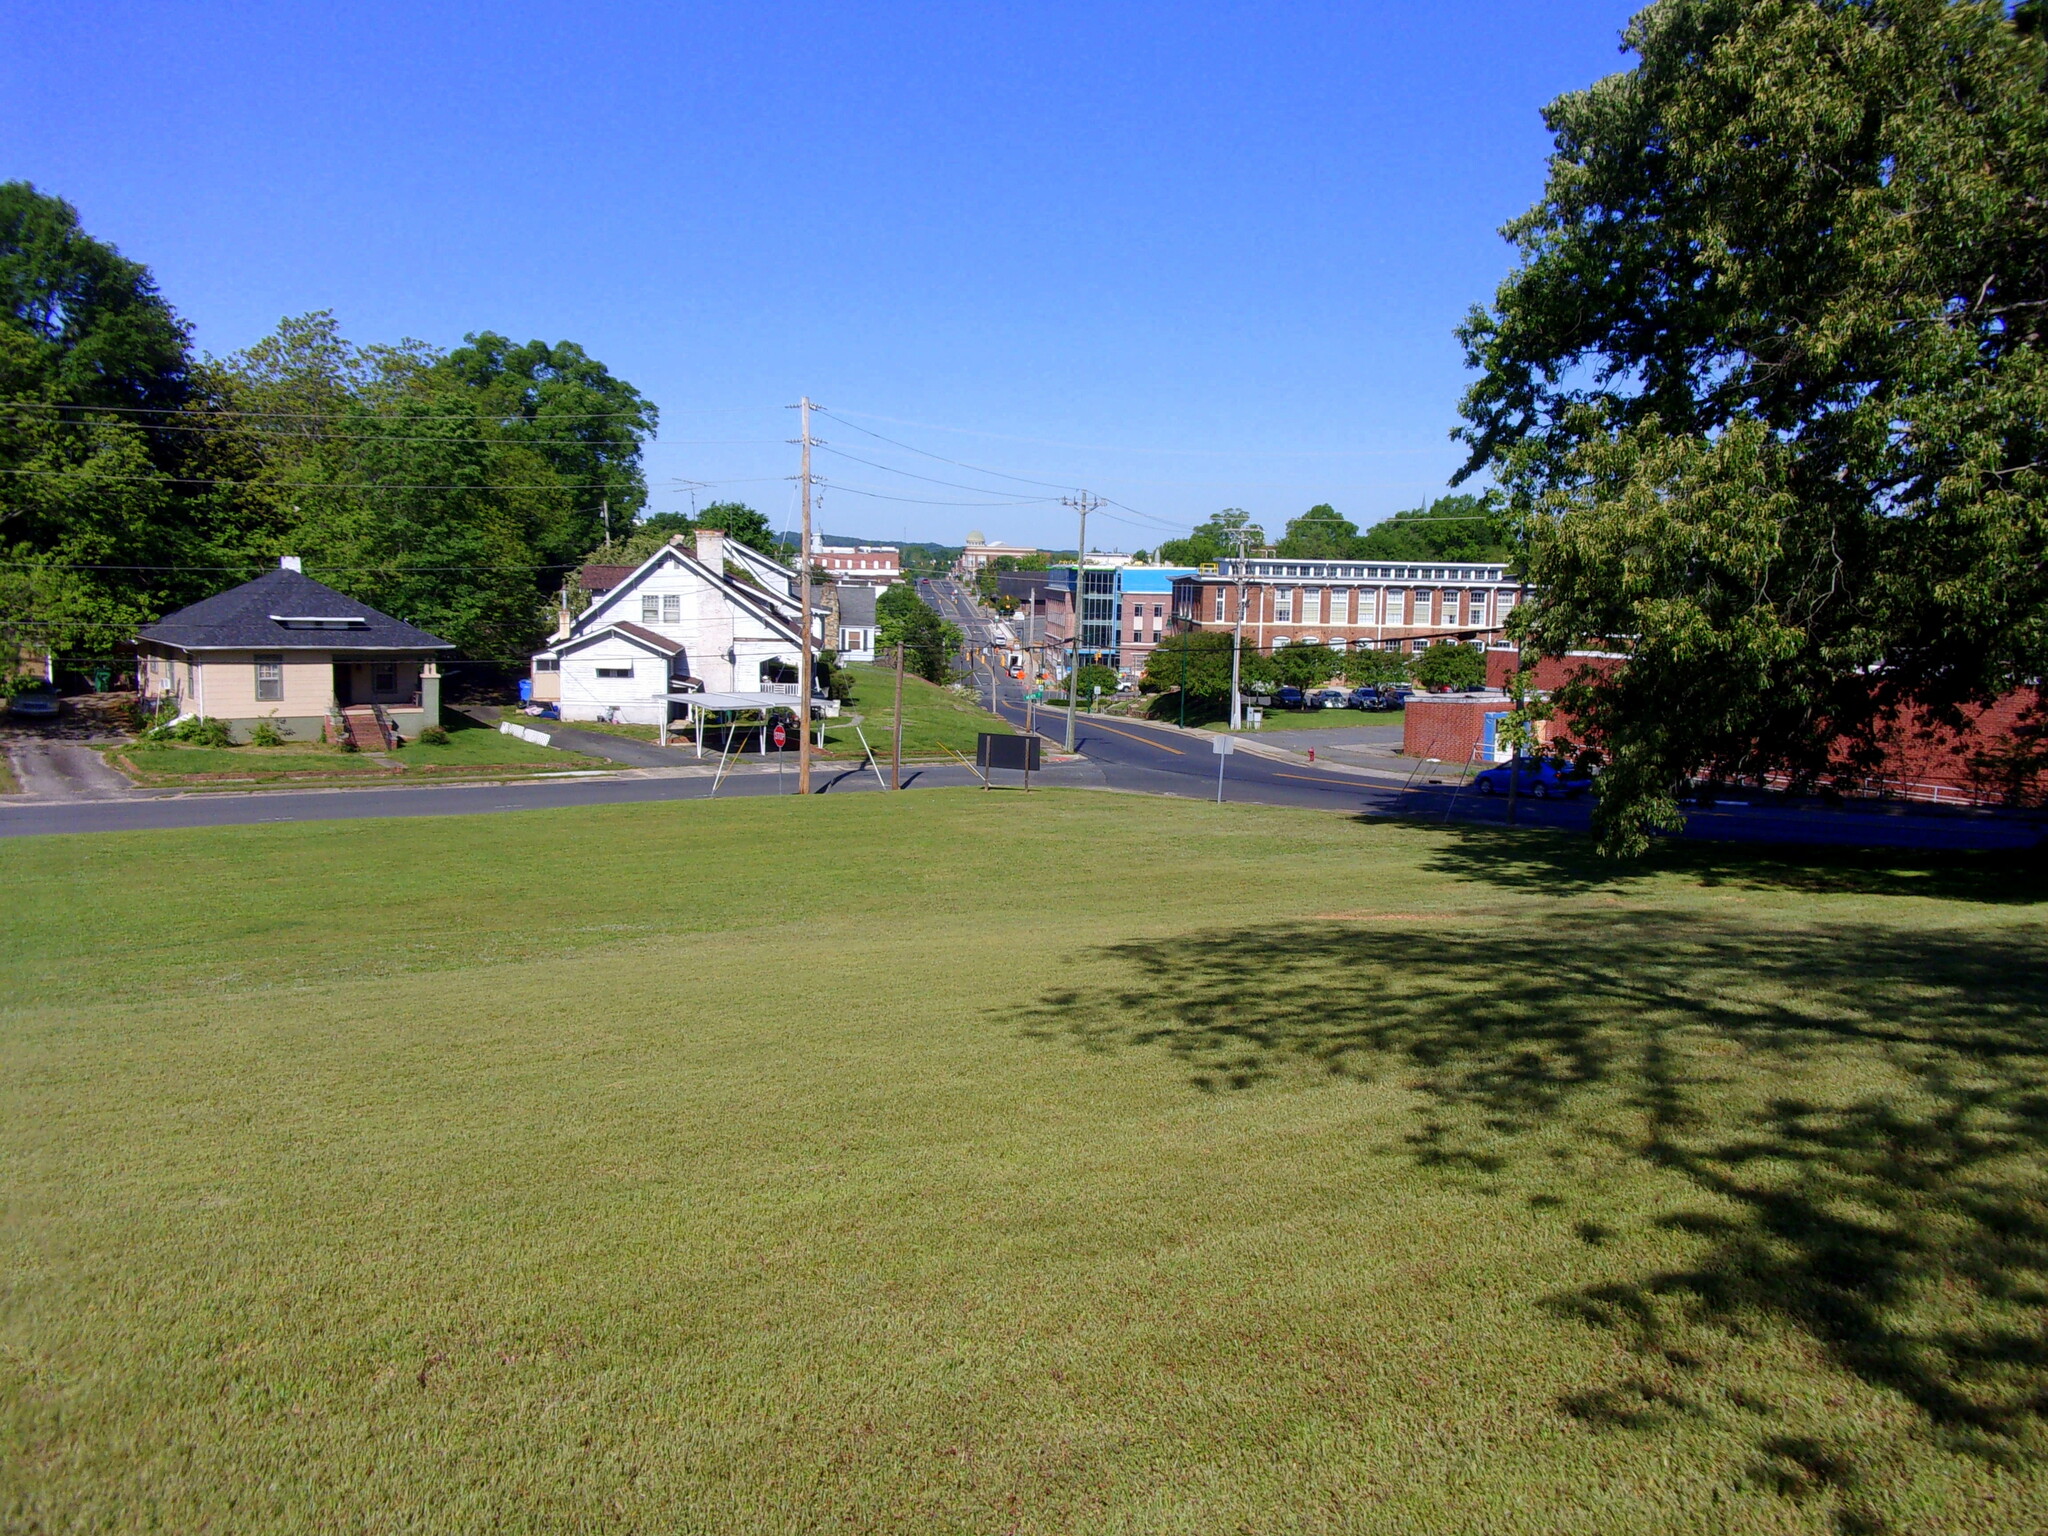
[956,463]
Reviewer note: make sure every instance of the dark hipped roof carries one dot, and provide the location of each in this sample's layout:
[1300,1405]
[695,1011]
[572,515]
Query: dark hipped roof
[246,618]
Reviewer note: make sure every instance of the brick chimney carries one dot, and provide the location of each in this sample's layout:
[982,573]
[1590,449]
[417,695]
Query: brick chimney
[711,548]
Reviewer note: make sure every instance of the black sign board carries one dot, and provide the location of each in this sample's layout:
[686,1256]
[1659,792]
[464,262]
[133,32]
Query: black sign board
[1019,752]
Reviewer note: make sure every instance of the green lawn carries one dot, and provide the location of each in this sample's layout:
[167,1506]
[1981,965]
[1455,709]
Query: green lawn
[470,747]
[1267,1172]
[934,718]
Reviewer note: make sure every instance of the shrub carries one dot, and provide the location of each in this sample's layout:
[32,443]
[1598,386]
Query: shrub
[434,735]
[264,733]
[202,732]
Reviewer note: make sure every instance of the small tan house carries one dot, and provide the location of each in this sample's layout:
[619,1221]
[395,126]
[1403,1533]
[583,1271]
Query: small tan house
[286,649]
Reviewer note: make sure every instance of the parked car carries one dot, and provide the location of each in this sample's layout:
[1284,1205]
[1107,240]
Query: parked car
[1378,698]
[1291,697]
[1329,698]
[38,701]
[1540,778]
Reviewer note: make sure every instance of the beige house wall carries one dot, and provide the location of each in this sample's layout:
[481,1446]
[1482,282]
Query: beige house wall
[230,679]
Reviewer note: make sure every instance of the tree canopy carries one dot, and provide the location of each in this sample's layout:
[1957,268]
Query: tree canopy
[1214,540]
[1447,665]
[452,491]
[1766,392]
[903,618]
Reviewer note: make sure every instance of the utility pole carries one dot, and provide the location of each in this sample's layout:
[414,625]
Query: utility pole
[1237,640]
[803,585]
[896,722]
[1082,503]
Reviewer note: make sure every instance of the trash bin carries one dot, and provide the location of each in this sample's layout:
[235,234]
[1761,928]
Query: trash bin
[526,690]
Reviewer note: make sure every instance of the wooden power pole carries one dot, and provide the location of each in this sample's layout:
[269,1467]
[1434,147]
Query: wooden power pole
[896,726]
[803,588]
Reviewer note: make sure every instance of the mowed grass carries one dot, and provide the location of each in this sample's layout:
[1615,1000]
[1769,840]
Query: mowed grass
[470,746]
[935,719]
[957,1162]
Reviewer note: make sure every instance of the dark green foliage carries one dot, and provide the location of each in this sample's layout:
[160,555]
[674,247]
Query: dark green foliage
[1319,534]
[1363,667]
[433,736]
[830,675]
[1303,666]
[1449,666]
[1200,658]
[903,618]
[202,732]
[740,521]
[1459,527]
[265,733]
[1092,678]
[1214,540]
[1766,395]
[565,407]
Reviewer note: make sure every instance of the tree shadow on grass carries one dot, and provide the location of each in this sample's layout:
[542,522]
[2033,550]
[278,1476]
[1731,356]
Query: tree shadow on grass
[1555,863]
[1862,1113]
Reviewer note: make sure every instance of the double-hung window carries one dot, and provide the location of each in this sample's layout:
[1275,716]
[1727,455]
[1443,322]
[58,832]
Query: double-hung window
[1283,605]
[650,608]
[1312,606]
[270,679]
[671,608]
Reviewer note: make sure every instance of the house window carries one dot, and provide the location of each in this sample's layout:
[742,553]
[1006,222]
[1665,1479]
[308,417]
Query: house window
[671,608]
[1219,604]
[1283,604]
[270,679]
[1312,606]
[384,677]
[625,671]
[542,664]
[650,610]
[1475,607]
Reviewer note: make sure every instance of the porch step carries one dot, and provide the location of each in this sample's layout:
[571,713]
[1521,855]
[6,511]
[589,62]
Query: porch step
[365,730]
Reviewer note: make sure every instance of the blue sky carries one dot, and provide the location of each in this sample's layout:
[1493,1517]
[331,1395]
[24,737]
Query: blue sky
[1186,256]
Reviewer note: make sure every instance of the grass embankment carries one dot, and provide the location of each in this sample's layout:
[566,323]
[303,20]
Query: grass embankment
[471,749]
[437,1175]
[934,718]
[9,785]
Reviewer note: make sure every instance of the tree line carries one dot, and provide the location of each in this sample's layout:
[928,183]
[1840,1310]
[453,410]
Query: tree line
[453,489]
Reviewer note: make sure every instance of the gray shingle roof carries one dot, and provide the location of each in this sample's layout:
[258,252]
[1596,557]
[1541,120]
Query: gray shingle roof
[856,605]
[247,618]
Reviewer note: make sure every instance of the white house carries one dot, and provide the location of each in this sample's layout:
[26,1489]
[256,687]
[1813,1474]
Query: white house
[683,621]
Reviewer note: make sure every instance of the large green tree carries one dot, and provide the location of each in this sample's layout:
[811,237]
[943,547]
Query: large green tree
[1766,393]
[903,618]
[1319,534]
[1457,527]
[567,408]
[106,493]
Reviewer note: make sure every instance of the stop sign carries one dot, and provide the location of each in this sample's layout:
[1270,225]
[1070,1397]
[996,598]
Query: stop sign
[780,736]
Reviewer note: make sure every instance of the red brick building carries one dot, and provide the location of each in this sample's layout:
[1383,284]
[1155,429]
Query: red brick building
[1350,604]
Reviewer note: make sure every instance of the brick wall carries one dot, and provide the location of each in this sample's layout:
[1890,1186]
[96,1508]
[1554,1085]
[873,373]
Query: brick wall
[1446,728]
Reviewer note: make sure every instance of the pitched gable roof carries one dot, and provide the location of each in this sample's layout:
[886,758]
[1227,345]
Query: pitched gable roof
[601,613]
[281,611]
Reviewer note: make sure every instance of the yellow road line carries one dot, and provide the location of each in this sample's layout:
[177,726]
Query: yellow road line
[1133,736]
[1305,778]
